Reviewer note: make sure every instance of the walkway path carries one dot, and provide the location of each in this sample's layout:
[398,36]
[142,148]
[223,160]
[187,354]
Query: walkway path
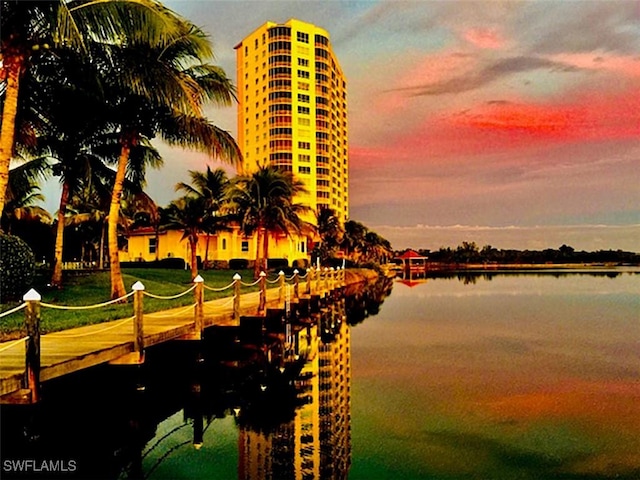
[78,348]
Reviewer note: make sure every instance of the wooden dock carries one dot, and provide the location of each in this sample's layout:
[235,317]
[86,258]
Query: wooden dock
[123,341]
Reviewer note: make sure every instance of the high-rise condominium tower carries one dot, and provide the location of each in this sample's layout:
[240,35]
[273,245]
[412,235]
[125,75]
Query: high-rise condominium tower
[292,110]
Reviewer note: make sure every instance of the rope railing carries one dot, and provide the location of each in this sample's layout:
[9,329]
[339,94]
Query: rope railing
[13,310]
[93,332]
[85,307]
[170,314]
[212,289]
[170,297]
[319,282]
[219,307]
[13,344]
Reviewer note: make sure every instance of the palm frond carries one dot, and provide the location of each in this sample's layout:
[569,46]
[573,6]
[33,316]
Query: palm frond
[197,133]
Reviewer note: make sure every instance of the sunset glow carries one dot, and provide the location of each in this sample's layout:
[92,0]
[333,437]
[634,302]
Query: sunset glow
[504,114]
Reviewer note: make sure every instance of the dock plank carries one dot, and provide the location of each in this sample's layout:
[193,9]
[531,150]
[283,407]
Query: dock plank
[84,347]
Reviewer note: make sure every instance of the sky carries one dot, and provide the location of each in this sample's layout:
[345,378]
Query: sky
[509,123]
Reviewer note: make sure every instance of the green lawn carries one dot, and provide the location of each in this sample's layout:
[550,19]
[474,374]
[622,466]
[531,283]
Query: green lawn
[83,288]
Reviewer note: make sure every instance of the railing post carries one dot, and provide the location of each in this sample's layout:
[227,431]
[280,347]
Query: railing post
[318,280]
[236,297]
[263,292]
[307,289]
[281,289]
[32,346]
[138,318]
[198,293]
[326,279]
[296,284]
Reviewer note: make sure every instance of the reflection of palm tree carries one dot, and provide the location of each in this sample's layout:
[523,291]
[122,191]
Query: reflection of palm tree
[263,204]
[211,187]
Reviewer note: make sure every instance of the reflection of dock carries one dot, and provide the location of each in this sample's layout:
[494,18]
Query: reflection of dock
[123,341]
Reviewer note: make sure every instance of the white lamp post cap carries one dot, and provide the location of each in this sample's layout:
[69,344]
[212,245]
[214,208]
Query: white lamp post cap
[32,296]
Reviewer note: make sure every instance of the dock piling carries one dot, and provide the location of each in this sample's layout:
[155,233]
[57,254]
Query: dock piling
[32,346]
[237,279]
[199,306]
[263,292]
[138,319]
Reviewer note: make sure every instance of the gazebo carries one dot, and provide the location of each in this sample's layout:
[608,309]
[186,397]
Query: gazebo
[413,261]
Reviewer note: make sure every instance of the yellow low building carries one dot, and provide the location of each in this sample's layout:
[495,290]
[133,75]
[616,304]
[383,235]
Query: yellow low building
[143,245]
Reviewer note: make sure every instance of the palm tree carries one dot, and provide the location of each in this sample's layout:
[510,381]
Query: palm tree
[162,92]
[330,230]
[189,214]
[354,238]
[21,196]
[211,186]
[262,202]
[376,248]
[29,30]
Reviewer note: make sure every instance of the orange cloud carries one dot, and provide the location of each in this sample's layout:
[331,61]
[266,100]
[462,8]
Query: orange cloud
[589,117]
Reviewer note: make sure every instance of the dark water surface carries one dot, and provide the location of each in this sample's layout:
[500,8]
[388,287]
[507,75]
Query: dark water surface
[502,376]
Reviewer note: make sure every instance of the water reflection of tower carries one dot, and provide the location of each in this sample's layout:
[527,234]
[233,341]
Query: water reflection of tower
[290,450]
[335,399]
[316,443]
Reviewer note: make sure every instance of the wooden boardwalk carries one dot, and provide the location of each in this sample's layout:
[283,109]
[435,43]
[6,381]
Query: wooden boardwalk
[83,347]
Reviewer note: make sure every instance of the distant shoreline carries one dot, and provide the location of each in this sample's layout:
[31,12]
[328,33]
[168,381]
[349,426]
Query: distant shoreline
[492,267]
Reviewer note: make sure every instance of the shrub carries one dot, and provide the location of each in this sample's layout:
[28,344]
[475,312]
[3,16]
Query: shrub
[172,262]
[238,264]
[300,263]
[17,267]
[277,263]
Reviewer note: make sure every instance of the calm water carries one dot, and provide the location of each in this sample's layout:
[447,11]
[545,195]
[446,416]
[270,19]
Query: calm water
[480,377]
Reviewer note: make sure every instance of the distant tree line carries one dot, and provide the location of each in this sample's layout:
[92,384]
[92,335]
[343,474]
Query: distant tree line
[469,252]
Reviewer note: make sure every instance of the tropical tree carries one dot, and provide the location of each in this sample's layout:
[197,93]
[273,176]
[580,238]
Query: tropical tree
[160,89]
[211,187]
[375,248]
[21,198]
[353,239]
[30,31]
[189,214]
[263,204]
[331,232]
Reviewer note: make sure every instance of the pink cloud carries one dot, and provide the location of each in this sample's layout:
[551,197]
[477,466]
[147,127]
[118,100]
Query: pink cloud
[589,117]
[484,38]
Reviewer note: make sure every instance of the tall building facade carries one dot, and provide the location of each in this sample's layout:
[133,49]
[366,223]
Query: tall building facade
[292,110]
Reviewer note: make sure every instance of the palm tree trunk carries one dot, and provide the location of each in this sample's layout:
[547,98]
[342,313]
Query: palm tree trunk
[13,66]
[157,233]
[56,277]
[256,265]
[265,249]
[117,283]
[103,233]
[193,242]
[206,252]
